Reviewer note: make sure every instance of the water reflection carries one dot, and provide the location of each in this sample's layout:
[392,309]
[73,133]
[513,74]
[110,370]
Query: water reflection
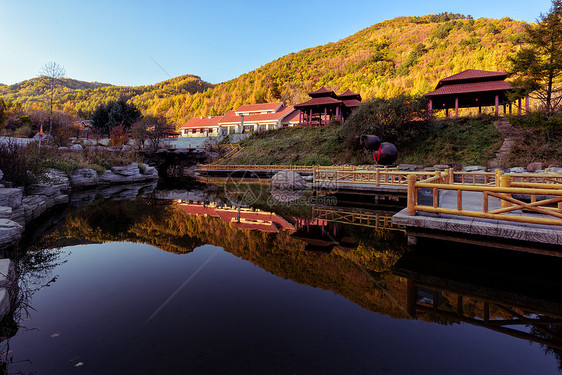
[354,253]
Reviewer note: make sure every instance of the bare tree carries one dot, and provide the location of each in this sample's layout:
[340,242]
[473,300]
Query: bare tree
[52,73]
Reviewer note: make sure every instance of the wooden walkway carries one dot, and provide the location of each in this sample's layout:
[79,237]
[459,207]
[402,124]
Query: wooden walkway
[515,211]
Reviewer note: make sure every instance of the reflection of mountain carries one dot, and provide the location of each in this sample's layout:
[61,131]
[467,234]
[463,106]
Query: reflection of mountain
[521,298]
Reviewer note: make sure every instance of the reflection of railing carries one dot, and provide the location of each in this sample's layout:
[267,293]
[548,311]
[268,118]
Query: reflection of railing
[377,220]
[463,309]
[497,200]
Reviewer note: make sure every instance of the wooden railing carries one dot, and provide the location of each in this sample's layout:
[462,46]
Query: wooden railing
[308,168]
[545,197]
[376,177]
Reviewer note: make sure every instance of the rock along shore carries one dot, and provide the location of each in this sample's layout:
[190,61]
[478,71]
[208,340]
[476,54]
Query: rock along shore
[18,208]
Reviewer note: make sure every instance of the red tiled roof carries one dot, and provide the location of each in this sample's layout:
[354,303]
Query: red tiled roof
[321,92]
[232,118]
[349,94]
[474,74]
[351,103]
[199,123]
[265,107]
[318,101]
[465,88]
[291,118]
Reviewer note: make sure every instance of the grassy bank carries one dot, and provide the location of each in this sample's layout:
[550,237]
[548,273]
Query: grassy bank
[462,141]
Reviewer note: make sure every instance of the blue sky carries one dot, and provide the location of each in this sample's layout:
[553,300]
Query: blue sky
[118,42]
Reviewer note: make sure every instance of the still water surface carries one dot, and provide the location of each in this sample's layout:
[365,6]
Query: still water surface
[260,303]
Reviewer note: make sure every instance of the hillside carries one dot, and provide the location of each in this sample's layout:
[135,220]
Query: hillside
[406,54]
[83,97]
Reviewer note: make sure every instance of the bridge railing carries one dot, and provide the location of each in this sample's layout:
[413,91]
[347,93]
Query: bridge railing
[544,206]
[380,176]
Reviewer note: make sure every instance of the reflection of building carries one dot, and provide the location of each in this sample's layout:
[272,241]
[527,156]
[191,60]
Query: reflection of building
[243,218]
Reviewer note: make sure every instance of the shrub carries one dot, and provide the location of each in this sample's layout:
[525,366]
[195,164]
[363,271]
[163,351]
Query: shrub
[24,131]
[20,164]
[389,119]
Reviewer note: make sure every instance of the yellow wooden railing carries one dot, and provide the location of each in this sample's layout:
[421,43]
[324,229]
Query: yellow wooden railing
[376,177]
[546,210]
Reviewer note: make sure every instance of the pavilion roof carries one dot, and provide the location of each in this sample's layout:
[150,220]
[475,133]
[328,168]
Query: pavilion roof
[349,94]
[322,92]
[322,101]
[351,103]
[472,75]
[473,87]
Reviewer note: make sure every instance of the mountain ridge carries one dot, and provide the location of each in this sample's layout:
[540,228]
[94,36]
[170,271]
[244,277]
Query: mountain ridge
[401,55]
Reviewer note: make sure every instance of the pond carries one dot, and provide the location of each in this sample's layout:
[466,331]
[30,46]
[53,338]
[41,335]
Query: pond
[201,285]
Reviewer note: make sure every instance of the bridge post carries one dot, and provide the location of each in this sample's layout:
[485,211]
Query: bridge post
[505,182]
[499,174]
[412,195]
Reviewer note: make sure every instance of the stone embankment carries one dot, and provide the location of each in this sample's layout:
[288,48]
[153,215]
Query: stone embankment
[17,208]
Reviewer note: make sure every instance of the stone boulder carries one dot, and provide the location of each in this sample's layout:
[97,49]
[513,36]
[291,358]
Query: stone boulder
[535,166]
[517,170]
[10,232]
[76,147]
[1,174]
[11,197]
[474,168]
[128,170]
[288,180]
[84,177]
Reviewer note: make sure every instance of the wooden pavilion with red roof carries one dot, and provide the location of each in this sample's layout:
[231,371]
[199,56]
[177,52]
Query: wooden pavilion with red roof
[472,88]
[326,106]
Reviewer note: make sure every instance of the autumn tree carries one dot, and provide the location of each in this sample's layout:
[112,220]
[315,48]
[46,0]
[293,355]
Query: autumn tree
[52,72]
[115,113]
[156,128]
[537,66]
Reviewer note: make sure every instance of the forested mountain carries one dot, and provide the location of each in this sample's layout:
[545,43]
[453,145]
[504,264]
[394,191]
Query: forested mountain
[406,54]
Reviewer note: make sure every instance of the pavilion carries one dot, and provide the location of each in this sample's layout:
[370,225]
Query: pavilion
[473,88]
[326,106]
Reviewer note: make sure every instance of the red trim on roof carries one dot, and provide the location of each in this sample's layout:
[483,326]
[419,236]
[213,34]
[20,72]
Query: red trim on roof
[233,119]
[318,101]
[465,88]
[265,107]
[200,123]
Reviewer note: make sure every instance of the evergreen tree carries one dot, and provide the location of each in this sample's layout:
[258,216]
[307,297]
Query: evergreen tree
[113,114]
[537,66]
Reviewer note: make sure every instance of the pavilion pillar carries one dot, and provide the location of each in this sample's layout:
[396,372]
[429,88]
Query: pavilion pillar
[430,107]
[446,112]
[325,114]
[300,117]
[338,113]
[310,117]
[479,109]
[497,105]
[519,105]
[456,107]
[510,108]
[504,110]
[527,104]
